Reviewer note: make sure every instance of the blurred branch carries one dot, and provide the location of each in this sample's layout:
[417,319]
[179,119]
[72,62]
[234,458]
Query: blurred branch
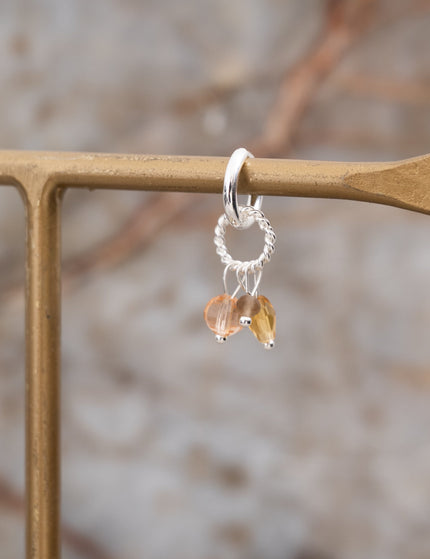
[404,11]
[346,20]
[356,140]
[135,233]
[14,503]
[83,545]
[386,89]
[221,92]
[9,499]
[141,227]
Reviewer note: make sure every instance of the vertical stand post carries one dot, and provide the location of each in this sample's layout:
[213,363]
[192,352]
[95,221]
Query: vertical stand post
[43,322]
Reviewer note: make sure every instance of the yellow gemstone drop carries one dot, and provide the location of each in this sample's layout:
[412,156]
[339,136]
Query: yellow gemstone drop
[221,315]
[264,322]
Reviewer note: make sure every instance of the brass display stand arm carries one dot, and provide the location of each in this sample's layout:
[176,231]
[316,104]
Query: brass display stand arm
[41,178]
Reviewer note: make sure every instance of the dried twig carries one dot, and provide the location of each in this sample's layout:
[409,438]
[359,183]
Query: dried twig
[389,90]
[14,502]
[135,233]
[345,21]
[220,92]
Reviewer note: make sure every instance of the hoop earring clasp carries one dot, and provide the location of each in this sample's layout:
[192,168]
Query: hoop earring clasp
[231,178]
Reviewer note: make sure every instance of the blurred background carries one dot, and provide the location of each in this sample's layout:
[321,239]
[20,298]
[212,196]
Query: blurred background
[174,446]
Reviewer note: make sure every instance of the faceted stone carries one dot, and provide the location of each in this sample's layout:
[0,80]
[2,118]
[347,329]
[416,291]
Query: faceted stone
[248,305]
[264,323]
[221,315]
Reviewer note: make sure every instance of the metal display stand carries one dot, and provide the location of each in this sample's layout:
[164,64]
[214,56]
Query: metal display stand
[42,177]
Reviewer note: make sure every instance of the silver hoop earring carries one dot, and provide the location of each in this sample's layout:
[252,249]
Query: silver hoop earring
[226,314]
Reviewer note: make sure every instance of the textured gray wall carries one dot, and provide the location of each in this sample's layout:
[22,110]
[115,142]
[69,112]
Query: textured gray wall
[174,446]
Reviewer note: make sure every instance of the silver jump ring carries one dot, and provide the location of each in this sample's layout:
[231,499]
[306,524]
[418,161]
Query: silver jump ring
[250,266]
[231,178]
[244,283]
[224,277]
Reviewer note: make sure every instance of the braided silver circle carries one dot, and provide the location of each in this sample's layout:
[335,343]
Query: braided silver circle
[250,266]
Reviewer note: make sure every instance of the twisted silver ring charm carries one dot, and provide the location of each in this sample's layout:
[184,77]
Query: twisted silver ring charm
[250,266]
